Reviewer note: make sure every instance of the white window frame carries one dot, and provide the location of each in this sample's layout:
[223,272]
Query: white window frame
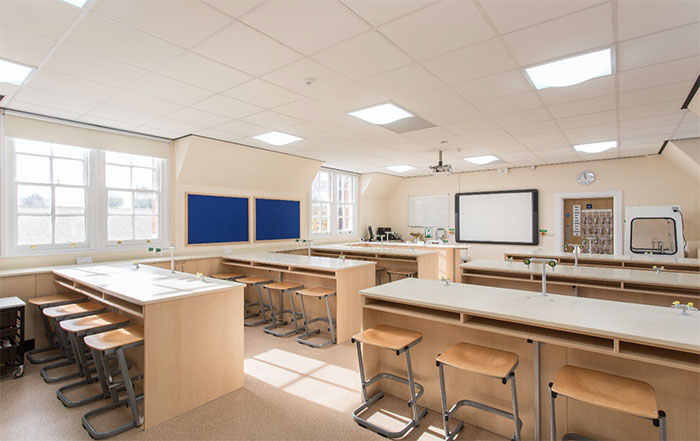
[95,210]
[334,206]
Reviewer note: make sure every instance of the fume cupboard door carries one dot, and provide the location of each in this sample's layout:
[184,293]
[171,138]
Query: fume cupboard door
[589,222]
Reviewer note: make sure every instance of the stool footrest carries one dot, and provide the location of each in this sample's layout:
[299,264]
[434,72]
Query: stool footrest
[104,409]
[378,429]
[30,355]
[575,437]
[482,406]
[49,379]
[395,378]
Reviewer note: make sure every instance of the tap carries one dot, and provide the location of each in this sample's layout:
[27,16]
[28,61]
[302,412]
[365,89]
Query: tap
[545,263]
[658,269]
[308,245]
[172,259]
[381,239]
[684,308]
[136,264]
[446,280]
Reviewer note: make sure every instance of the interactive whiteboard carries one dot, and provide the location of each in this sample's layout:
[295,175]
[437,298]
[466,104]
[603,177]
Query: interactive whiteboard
[429,210]
[498,217]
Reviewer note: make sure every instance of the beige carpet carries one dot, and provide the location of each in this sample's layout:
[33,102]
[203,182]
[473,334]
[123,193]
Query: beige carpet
[291,392]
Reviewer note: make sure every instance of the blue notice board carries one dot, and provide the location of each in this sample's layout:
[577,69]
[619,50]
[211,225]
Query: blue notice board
[215,219]
[277,219]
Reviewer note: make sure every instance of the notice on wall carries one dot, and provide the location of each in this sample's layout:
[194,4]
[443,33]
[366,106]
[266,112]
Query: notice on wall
[577,220]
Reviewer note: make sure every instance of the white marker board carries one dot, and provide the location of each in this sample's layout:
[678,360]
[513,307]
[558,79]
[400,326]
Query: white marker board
[498,217]
[431,210]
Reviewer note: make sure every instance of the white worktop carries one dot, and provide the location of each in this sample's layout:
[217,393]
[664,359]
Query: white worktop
[142,285]
[377,249]
[664,278]
[458,246]
[295,260]
[652,259]
[629,321]
[11,302]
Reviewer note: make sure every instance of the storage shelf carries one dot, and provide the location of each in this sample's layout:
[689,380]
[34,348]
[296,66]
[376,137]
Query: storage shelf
[421,312]
[109,300]
[666,357]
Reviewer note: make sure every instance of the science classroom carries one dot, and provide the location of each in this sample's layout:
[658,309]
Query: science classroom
[350,220]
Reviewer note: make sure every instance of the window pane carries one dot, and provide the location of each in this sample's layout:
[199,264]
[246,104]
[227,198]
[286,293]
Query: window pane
[70,229]
[146,227]
[320,218]
[143,178]
[70,201]
[321,187]
[119,202]
[118,158]
[33,230]
[33,169]
[29,146]
[33,199]
[118,176]
[145,203]
[345,188]
[345,218]
[119,228]
[68,172]
[143,161]
[67,151]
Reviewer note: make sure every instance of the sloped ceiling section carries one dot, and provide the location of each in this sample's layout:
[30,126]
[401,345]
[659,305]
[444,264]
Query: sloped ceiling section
[212,163]
[378,185]
[685,153]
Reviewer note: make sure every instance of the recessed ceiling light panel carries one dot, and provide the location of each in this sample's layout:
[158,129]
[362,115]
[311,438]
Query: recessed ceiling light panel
[78,3]
[481,160]
[381,114]
[400,168]
[13,73]
[573,70]
[277,138]
[595,147]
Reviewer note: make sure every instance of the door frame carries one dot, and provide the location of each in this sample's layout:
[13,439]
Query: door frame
[617,215]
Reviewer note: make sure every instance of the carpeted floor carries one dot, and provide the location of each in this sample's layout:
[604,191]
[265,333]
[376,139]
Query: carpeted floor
[291,392]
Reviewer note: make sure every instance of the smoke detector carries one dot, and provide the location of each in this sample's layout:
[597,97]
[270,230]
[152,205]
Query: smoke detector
[440,168]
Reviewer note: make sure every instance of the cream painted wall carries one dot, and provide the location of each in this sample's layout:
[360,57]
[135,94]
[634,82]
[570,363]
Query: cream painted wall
[647,180]
[374,191]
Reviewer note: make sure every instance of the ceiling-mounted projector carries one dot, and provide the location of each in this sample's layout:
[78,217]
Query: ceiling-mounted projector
[440,167]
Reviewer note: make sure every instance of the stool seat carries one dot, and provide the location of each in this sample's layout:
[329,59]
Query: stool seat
[283,285]
[316,292]
[608,391]
[93,321]
[479,359]
[55,298]
[254,280]
[402,273]
[114,339]
[227,276]
[389,337]
[72,308]
[379,268]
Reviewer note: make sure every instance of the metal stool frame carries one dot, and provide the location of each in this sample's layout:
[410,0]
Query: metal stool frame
[278,317]
[309,332]
[263,307]
[367,402]
[50,335]
[411,276]
[246,305]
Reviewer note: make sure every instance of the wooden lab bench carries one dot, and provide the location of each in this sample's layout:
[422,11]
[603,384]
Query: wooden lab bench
[640,261]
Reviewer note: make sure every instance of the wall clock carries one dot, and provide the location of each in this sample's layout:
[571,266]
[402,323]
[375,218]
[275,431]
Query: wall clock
[585,177]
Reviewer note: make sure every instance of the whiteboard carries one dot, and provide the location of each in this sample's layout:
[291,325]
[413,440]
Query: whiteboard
[431,210]
[507,217]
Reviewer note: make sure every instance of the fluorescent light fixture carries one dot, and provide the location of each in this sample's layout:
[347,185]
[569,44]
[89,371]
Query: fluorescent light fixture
[381,114]
[481,160]
[570,71]
[13,73]
[595,147]
[277,138]
[78,3]
[400,168]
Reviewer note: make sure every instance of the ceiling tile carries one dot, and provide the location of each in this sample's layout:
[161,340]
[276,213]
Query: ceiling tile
[106,122]
[349,97]
[305,109]
[179,128]
[219,134]
[471,126]
[242,128]
[262,94]
[656,48]
[457,66]
[54,100]
[438,28]
[93,67]
[169,90]
[509,15]
[593,105]
[509,104]
[292,77]
[653,121]
[226,106]
[323,23]
[44,110]
[665,131]
[403,81]
[234,8]
[377,13]
[22,47]
[636,18]
[640,149]
[563,36]
[443,98]
[650,110]
[183,22]
[47,79]
[494,86]
[657,74]
[590,89]
[595,133]
[204,119]
[448,115]
[259,54]
[202,72]
[390,140]
[129,116]
[272,120]
[309,130]
[104,37]
[53,21]
[363,56]
[513,119]
[591,119]
[144,103]
[519,130]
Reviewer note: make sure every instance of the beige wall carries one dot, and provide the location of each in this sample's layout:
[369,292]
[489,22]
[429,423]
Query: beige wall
[647,180]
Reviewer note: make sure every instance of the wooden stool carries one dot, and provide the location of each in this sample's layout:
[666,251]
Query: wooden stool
[53,343]
[322,294]
[58,314]
[401,273]
[76,330]
[257,282]
[608,391]
[378,274]
[483,361]
[278,317]
[108,343]
[400,341]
